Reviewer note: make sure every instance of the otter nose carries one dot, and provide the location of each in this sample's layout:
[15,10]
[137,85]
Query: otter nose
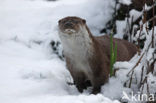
[68,24]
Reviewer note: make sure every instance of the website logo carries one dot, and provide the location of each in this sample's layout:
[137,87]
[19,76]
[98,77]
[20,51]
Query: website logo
[138,97]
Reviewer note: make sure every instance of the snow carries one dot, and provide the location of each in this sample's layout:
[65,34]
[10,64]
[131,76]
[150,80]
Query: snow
[31,72]
[135,14]
[120,28]
[126,2]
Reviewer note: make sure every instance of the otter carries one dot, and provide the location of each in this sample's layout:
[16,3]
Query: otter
[87,56]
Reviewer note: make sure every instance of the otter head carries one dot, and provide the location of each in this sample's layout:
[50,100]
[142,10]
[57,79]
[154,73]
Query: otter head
[74,34]
[71,25]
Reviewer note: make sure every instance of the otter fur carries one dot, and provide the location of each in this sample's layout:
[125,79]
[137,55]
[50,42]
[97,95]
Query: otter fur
[87,56]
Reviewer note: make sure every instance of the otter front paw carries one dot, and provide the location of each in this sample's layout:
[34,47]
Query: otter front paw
[96,90]
[80,88]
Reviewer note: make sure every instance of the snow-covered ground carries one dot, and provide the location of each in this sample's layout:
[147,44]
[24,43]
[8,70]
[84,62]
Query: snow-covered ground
[30,71]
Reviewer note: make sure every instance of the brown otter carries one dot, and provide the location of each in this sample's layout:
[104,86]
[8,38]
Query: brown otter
[87,56]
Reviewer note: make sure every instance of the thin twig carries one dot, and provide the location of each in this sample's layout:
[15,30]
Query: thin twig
[148,92]
[131,80]
[136,64]
[142,72]
[153,27]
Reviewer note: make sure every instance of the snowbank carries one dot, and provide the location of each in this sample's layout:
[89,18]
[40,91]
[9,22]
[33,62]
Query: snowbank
[30,70]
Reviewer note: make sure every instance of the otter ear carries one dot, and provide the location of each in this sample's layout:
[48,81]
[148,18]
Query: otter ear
[59,21]
[84,21]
